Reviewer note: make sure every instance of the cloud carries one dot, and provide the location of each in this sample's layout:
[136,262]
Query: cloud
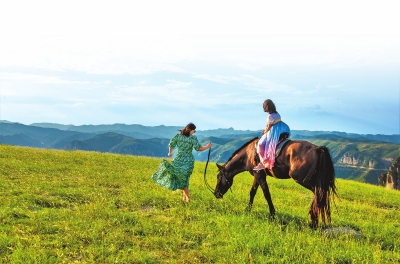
[34,78]
[310,108]
[131,52]
[266,86]
[139,60]
[249,66]
[171,92]
[36,89]
[216,78]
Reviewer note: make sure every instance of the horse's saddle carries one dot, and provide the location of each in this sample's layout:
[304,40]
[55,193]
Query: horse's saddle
[280,146]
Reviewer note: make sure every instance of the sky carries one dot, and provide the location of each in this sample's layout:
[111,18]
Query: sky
[327,66]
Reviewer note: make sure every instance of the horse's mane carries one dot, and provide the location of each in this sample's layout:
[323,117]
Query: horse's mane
[239,149]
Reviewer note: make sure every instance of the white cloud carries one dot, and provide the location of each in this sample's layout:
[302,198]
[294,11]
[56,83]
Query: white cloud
[248,66]
[133,52]
[266,86]
[335,86]
[89,58]
[35,78]
[175,92]
[216,78]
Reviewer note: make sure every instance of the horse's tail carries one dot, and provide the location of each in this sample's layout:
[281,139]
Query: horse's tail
[325,187]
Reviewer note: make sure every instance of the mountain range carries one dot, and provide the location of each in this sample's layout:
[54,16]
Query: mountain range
[362,157]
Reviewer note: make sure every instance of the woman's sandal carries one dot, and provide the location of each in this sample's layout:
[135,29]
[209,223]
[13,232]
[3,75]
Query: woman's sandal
[259,167]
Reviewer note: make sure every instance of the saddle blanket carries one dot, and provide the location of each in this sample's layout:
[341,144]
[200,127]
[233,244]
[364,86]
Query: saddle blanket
[278,147]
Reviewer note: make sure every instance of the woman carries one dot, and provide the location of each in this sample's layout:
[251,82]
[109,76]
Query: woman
[175,175]
[267,143]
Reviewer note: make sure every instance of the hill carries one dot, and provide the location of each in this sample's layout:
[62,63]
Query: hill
[140,131]
[358,157]
[42,137]
[90,207]
[116,143]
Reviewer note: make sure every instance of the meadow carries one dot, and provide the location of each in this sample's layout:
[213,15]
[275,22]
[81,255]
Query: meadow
[88,207]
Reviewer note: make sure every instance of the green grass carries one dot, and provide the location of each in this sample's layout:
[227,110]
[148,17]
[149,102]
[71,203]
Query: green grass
[88,207]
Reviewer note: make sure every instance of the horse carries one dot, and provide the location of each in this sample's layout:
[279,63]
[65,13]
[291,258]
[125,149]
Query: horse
[307,164]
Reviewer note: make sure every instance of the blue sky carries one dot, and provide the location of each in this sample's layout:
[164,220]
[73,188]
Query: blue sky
[327,68]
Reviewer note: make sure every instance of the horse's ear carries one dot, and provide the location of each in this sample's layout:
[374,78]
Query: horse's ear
[219,166]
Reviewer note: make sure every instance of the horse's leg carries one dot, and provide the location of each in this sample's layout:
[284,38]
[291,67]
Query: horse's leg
[314,214]
[262,181]
[314,210]
[253,192]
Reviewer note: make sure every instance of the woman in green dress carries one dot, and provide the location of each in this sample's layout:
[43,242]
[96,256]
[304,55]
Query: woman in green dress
[176,174]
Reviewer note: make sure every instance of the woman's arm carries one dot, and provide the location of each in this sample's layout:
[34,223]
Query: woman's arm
[209,145]
[268,128]
[169,151]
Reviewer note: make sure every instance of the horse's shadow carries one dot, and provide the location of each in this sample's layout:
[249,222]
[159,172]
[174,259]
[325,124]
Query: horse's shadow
[283,220]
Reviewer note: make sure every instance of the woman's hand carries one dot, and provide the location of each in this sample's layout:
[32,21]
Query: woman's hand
[209,145]
[169,151]
[268,128]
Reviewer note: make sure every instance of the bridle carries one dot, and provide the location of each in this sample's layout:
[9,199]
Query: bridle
[217,192]
[205,173]
[205,178]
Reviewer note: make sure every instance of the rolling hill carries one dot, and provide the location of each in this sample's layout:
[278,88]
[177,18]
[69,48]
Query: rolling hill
[62,206]
[357,157]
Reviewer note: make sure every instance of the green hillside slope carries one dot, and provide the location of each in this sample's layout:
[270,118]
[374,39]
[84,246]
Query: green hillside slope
[88,207]
[117,143]
[359,159]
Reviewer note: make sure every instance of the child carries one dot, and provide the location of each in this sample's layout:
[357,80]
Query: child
[267,143]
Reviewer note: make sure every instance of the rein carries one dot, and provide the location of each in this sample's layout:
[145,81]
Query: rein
[209,187]
[205,173]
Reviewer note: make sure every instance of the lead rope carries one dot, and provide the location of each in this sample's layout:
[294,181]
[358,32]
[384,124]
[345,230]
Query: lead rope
[205,173]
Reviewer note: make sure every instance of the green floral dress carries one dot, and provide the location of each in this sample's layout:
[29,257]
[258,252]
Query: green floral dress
[175,174]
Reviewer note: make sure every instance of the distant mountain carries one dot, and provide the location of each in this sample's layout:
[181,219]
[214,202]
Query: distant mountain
[52,125]
[116,143]
[104,142]
[45,136]
[360,160]
[20,140]
[142,132]
[358,157]
[305,134]
[79,145]
[63,142]
[137,131]
[147,132]
[222,148]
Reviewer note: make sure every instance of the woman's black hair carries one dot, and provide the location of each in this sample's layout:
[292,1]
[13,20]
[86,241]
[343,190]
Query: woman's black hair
[186,131]
[269,106]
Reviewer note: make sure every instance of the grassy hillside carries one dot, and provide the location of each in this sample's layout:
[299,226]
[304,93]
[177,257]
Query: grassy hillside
[360,160]
[357,157]
[62,207]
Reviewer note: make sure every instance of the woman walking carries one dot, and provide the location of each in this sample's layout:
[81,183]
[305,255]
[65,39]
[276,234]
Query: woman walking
[176,174]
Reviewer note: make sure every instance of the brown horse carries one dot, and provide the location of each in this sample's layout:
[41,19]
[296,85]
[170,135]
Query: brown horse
[307,164]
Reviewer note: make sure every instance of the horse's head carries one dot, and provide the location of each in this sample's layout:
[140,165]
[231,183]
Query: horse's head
[224,182]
